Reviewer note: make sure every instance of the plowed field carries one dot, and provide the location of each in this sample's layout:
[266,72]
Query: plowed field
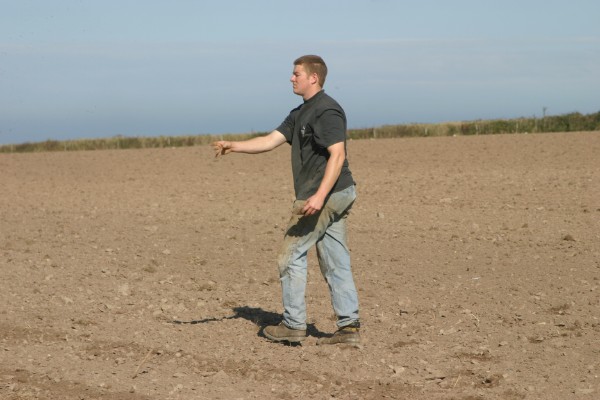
[149,274]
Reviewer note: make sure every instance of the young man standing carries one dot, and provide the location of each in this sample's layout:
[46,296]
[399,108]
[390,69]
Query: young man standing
[325,192]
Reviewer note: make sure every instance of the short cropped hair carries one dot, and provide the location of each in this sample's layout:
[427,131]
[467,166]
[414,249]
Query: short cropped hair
[313,65]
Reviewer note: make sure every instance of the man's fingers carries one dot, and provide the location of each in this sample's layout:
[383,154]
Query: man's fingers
[308,210]
[219,149]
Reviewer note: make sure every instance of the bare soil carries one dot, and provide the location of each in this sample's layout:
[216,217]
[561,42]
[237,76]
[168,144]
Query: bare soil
[149,274]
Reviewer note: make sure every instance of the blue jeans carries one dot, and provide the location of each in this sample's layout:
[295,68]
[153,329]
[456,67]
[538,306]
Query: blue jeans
[326,229]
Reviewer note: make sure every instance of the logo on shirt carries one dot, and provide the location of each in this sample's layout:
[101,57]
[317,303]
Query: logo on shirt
[303,130]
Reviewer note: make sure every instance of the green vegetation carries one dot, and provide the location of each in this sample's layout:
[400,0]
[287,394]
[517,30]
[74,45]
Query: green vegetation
[573,122]
[121,142]
[561,123]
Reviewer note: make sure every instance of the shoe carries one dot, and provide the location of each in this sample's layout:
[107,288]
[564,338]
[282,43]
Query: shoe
[346,334]
[281,333]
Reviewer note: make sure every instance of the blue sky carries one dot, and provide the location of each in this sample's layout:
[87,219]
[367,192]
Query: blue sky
[87,69]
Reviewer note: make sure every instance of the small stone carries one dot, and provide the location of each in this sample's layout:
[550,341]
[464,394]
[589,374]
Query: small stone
[397,370]
[124,290]
[221,376]
[450,331]
[434,374]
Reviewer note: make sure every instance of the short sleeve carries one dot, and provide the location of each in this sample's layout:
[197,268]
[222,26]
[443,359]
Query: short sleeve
[330,128]
[287,128]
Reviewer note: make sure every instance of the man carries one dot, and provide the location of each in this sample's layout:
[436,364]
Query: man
[325,192]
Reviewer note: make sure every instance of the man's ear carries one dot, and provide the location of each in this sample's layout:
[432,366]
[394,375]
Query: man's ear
[314,78]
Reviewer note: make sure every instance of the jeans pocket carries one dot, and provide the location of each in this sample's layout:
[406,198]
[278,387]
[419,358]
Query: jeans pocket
[340,202]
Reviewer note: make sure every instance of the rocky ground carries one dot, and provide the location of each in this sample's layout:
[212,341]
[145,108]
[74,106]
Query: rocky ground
[477,261]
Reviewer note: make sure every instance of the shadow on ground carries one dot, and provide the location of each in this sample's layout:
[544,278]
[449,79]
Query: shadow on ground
[257,316]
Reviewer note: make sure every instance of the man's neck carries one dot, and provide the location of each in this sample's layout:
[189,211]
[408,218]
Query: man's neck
[312,94]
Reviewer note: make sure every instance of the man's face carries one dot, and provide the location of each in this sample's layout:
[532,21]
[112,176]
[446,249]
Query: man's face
[302,83]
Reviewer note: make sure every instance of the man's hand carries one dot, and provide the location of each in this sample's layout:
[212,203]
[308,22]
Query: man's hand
[221,148]
[313,205]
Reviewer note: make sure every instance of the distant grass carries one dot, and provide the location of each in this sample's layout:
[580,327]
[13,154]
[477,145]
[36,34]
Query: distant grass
[572,122]
[122,142]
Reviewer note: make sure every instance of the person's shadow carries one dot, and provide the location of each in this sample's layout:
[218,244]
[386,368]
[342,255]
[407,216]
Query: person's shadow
[257,316]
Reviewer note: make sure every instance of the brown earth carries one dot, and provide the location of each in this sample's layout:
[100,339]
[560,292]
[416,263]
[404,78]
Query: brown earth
[477,261]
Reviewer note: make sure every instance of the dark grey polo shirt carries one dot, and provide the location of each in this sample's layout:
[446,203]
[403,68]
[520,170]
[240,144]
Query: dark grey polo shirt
[310,129]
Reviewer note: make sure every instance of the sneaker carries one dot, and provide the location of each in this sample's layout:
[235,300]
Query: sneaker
[346,334]
[281,333]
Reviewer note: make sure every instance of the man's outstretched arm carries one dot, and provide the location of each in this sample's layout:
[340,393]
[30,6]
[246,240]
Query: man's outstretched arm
[255,145]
